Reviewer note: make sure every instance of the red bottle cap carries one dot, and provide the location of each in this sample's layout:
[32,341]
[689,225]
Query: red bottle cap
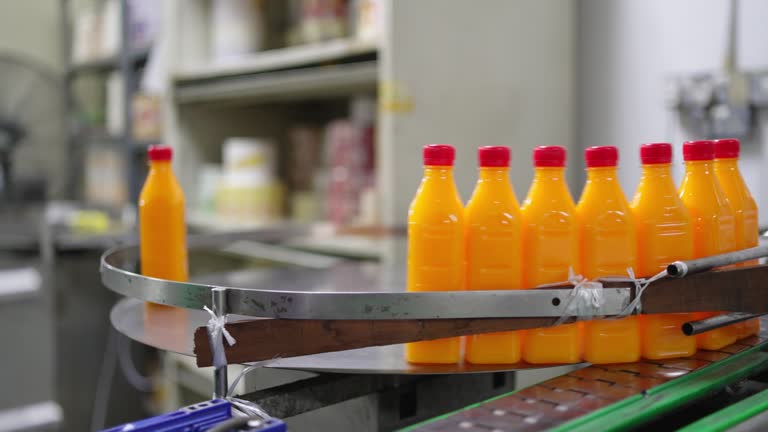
[549,156]
[439,155]
[493,156]
[601,156]
[656,153]
[160,153]
[727,148]
[699,150]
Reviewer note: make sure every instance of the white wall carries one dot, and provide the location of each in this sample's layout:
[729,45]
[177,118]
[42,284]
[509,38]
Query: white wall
[32,28]
[496,72]
[627,50]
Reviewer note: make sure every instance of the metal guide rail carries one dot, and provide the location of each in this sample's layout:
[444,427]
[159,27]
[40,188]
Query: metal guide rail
[304,299]
[359,304]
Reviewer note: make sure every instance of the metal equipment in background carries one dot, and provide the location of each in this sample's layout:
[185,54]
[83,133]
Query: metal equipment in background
[31,125]
[31,170]
[723,103]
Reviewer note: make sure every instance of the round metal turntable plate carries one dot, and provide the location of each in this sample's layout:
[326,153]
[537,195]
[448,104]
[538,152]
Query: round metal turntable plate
[171,329]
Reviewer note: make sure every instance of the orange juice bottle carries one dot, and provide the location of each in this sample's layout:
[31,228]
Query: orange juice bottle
[550,247]
[162,229]
[492,219]
[436,245]
[743,206]
[713,224]
[608,248]
[664,235]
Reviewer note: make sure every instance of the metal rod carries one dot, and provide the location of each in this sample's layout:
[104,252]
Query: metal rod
[220,380]
[683,268]
[692,328]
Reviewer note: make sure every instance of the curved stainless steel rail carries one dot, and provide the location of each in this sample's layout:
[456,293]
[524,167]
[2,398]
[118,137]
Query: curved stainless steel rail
[346,305]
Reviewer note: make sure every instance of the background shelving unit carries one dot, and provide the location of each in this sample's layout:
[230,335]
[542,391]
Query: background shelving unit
[128,61]
[442,71]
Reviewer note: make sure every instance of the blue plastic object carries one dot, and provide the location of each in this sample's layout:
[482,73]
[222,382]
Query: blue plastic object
[193,418]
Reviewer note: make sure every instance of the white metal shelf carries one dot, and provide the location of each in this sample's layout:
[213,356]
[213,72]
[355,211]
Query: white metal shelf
[206,223]
[109,63]
[283,58]
[312,82]
[355,246]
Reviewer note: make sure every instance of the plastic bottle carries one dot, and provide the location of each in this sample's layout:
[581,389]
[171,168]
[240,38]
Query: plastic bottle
[162,228]
[608,248]
[436,245]
[743,206]
[492,219]
[664,235]
[550,247]
[713,224]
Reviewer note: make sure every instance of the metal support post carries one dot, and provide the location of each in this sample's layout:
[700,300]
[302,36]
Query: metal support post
[220,381]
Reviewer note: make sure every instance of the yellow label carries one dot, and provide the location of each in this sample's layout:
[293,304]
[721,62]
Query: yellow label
[394,98]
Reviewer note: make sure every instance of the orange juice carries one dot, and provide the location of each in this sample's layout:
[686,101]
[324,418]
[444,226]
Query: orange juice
[492,219]
[162,228]
[436,245]
[743,206]
[608,248]
[713,223]
[550,248]
[664,235]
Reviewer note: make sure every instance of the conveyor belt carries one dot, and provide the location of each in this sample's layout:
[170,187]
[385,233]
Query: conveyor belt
[610,397]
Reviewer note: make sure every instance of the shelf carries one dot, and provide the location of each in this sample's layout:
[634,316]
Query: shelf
[209,224]
[108,64]
[311,82]
[97,134]
[349,246]
[283,58]
[97,65]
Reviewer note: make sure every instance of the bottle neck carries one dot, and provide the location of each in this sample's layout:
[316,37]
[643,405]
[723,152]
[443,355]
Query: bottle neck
[602,175]
[438,173]
[657,172]
[603,186]
[494,174]
[727,164]
[698,167]
[160,166]
[657,177]
[438,183]
[549,174]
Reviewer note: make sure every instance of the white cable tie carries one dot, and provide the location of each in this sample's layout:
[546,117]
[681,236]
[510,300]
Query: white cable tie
[640,287]
[251,367]
[218,331]
[584,299]
[248,408]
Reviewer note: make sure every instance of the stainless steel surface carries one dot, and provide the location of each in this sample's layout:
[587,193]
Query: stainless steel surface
[220,381]
[347,290]
[172,330]
[696,327]
[682,268]
[169,330]
[35,417]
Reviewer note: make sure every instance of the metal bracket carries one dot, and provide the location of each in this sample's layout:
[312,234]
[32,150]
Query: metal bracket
[220,380]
